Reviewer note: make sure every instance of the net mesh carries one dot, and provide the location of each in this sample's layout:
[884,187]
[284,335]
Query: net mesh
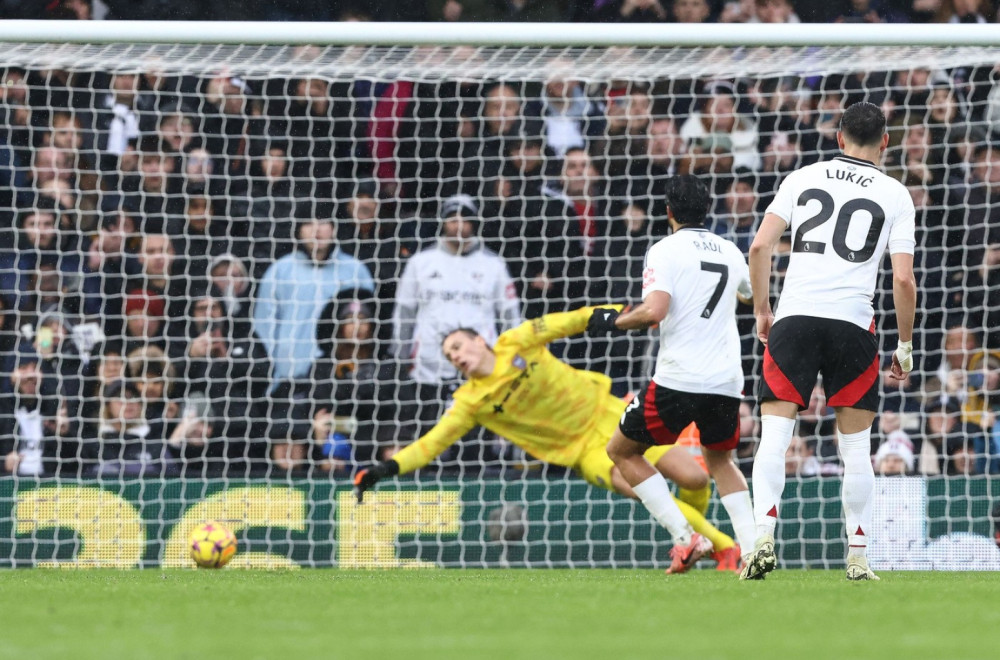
[186,336]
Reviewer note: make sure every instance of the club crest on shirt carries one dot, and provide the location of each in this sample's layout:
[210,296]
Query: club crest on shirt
[519,362]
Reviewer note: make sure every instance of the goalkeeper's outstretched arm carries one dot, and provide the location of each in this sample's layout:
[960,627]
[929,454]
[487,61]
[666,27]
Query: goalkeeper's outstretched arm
[455,423]
[557,325]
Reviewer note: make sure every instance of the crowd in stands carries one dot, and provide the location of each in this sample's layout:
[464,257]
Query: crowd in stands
[600,11]
[218,274]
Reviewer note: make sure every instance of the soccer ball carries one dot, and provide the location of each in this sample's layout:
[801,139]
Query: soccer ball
[212,545]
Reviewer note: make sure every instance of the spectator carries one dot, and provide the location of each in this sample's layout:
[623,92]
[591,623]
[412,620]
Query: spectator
[381,243]
[227,364]
[716,130]
[106,365]
[294,289]
[177,130]
[630,11]
[665,147]
[774,11]
[125,445]
[482,156]
[455,282]
[625,142]
[799,459]
[739,11]
[144,320]
[201,235]
[35,431]
[163,279]
[870,11]
[740,217]
[33,274]
[157,198]
[108,265]
[153,377]
[271,208]
[894,457]
[948,443]
[965,11]
[122,117]
[568,116]
[344,419]
[690,11]
[968,376]
[230,283]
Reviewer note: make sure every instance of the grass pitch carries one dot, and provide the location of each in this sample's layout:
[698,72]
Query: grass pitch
[544,614]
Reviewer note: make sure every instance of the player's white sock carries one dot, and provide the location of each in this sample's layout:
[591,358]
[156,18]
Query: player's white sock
[858,486]
[740,512]
[769,471]
[655,496]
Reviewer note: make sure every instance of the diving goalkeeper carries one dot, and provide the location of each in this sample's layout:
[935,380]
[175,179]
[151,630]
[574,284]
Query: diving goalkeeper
[558,414]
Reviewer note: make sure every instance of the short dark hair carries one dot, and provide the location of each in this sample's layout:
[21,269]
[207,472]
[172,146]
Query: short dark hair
[471,333]
[863,124]
[688,199]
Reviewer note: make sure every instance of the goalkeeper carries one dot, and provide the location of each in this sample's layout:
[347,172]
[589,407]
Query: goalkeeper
[558,414]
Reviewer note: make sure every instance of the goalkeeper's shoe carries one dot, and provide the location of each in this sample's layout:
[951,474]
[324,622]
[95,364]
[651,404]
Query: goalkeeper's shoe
[857,569]
[683,557]
[728,559]
[761,561]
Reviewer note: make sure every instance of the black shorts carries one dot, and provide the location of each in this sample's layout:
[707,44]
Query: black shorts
[800,348]
[658,415]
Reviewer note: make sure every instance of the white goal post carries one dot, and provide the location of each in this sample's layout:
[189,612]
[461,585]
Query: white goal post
[182,172]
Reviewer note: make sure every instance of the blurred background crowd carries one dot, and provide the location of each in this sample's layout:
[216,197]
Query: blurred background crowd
[601,11]
[208,274]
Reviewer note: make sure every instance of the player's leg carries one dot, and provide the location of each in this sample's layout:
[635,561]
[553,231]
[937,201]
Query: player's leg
[677,465]
[656,417]
[854,435]
[851,384]
[721,542]
[648,485]
[718,420]
[791,365]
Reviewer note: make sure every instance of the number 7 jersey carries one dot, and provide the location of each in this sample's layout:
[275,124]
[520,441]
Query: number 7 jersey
[842,213]
[699,342]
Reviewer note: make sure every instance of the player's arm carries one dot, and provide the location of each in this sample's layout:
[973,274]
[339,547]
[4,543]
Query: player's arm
[557,325]
[761,251]
[651,311]
[455,423]
[904,298]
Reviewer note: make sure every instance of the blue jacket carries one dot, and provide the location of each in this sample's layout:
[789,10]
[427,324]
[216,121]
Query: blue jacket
[290,297]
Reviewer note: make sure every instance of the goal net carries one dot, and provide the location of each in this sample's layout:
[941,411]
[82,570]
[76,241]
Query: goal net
[226,270]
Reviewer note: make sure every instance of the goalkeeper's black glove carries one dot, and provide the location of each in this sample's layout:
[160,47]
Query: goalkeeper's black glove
[602,321]
[368,477]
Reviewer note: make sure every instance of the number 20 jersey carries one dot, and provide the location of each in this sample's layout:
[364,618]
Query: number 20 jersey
[842,213]
[699,342]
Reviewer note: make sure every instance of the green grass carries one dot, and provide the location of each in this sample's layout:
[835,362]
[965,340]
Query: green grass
[617,615]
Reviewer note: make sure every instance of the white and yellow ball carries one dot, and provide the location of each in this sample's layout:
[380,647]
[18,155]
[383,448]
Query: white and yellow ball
[212,545]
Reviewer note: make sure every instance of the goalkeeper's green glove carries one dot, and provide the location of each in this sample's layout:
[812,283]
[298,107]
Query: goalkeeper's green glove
[368,477]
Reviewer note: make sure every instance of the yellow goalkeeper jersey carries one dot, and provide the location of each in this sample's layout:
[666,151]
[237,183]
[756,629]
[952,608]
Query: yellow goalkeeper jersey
[532,399]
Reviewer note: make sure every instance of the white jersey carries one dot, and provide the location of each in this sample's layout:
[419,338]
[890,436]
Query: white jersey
[439,292]
[699,342]
[843,213]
